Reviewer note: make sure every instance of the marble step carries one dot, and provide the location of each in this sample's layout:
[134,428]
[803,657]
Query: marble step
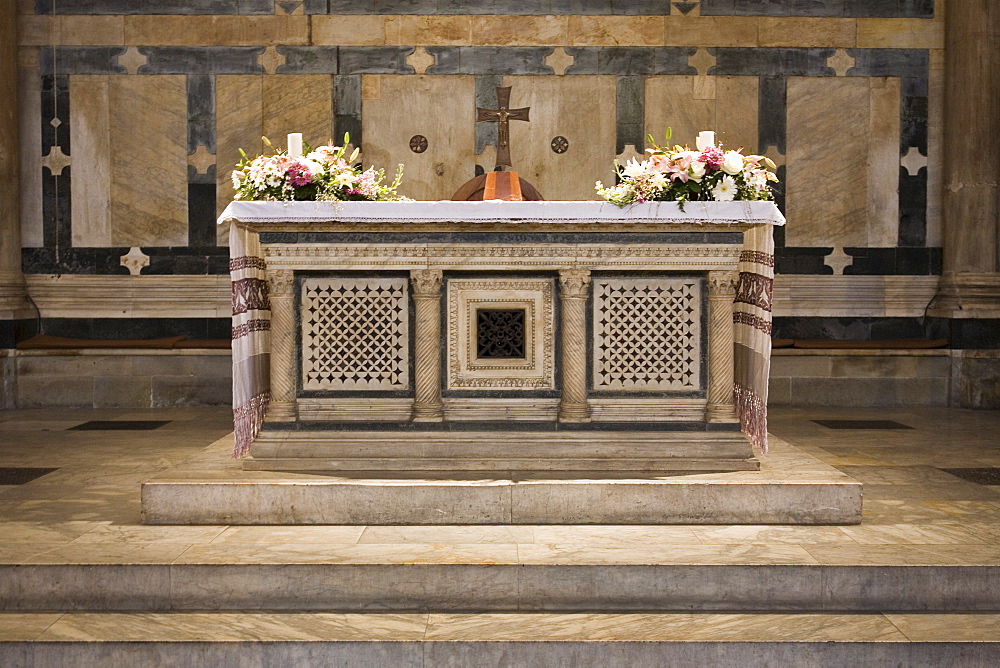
[791,487]
[270,639]
[463,579]
[523,450]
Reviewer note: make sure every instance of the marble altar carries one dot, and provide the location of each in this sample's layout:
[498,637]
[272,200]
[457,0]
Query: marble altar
[494,336]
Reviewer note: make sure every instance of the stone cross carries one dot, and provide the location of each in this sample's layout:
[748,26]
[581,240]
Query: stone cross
[503,114]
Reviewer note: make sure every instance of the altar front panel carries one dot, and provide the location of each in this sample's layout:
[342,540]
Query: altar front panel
[644,326]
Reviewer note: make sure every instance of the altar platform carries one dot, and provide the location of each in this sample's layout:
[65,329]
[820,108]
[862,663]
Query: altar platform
[502,363]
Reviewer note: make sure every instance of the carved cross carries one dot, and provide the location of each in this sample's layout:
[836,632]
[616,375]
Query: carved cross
[503,114]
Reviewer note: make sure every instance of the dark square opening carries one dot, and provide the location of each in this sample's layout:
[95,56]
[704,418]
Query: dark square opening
[12,475]
[861,424]
[120,425]
[500,334]
[986,475]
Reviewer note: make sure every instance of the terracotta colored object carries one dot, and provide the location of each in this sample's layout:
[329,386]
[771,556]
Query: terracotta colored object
[505,184]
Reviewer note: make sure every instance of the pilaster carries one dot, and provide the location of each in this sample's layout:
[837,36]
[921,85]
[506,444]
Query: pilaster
[970,286]
[721,291]
[427,406]
[281,284]
[574,286]
[13,296]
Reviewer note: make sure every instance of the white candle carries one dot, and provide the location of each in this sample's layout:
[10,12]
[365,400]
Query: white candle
[705,139]
[295,145]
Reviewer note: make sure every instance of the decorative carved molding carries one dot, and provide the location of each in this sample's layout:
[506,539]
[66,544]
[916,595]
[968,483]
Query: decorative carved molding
[468,371]
[722,284]
[574,283]
[326,251]
[426,282]
[281,282]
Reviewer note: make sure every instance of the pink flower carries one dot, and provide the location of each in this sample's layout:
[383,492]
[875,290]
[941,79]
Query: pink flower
[712,157]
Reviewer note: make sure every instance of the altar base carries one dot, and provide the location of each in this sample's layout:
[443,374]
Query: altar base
[791,487]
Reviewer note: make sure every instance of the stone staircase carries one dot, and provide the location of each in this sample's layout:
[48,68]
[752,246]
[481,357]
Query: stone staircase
[914,585]
[579,609]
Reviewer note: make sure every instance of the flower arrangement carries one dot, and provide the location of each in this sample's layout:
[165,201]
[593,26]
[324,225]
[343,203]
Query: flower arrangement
[683,175]
[323,173]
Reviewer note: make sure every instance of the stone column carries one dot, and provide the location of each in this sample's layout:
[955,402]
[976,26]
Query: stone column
[427,405]
[13,302]
[970,287]
[721,291]
[281,284]
[574,285]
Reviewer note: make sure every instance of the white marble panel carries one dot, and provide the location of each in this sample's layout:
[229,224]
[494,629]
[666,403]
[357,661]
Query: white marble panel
[90,137]
[439,108]
[579,108]
[30,110]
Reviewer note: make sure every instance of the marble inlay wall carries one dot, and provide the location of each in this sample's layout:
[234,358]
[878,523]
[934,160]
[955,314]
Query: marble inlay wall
[132,113]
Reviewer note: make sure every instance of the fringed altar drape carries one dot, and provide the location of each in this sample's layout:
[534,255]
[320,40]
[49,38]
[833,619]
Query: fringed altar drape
[752,332]
[251,337]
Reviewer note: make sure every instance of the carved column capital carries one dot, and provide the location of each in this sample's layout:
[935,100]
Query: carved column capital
[722,283]
[426,282]
[281,282]
[574,283]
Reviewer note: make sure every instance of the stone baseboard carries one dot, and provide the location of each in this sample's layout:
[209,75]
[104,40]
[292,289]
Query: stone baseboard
[126,378]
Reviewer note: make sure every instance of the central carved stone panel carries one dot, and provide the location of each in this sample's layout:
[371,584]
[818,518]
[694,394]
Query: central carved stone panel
[501,333]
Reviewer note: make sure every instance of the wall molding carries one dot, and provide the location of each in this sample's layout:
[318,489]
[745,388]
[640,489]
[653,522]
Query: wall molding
[802,295]
[81,296]
[795,295]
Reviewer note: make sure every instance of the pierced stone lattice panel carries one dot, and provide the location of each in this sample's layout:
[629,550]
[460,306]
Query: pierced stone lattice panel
[500,333]
[647,334]
[355,334]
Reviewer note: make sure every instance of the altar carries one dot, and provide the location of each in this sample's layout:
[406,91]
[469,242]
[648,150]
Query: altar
[501,336]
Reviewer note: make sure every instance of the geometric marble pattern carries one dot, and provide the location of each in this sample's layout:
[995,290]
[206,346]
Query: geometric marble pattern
[355,334]
[647,334]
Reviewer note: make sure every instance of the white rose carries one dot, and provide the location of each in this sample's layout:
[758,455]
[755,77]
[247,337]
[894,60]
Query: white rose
[732,163]
[696,171]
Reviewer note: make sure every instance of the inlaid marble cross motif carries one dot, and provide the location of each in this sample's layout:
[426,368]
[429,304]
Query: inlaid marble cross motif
[503,114]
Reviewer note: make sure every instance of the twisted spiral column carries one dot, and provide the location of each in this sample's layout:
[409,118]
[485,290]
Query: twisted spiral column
[427,405]
[280,288]
[721,291]
[574,285]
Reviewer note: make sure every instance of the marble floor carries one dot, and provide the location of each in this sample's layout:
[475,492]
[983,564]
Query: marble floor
[87,511]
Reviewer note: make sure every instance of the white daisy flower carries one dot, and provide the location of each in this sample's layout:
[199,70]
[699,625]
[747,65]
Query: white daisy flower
[725,190]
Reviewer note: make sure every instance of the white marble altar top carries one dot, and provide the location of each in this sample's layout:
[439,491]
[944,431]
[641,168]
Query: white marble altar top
[500,211]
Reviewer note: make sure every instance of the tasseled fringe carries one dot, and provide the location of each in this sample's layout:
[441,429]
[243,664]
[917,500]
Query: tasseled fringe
[752,412]
[247,420]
